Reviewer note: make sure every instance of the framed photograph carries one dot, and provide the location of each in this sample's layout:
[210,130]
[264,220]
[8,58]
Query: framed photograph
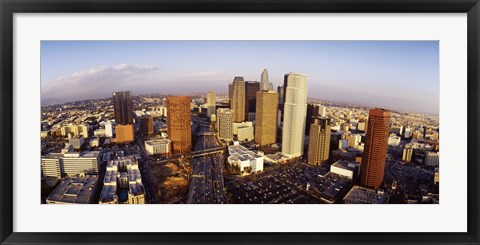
[239,122]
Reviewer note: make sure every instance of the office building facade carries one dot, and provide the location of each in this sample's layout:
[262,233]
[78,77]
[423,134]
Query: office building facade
[295,109]
[225,124]
[211,103]
[123,107]
[146,125]
[158,147]
[243,131]
[179,127]
[251,89]
[319,141]
[266,117]
[238,100]
[312,112]
[70,164]
[125,134]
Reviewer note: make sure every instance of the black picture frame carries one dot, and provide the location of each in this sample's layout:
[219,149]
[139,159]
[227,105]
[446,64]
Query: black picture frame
[9,7]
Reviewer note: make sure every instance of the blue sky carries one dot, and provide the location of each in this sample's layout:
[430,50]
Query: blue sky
[400,75]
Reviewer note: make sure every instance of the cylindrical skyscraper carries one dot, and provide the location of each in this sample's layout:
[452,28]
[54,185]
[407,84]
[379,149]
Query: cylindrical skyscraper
[295,110]
[376,143]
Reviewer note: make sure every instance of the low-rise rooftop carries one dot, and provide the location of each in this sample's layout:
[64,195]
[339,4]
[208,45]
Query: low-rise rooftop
[74,190]
[361,195]
[240,153]
[344,164]
[157,142]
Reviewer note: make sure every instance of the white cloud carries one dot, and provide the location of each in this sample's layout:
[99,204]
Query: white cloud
[99,81]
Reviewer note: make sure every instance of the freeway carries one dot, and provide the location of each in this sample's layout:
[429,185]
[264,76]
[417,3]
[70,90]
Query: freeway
[206,185]
[211,151]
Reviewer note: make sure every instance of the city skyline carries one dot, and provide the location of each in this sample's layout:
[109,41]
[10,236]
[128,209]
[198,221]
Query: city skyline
[404,74]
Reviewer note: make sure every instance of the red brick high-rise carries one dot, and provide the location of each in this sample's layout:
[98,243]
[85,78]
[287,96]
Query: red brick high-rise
[375,152]
[179,120]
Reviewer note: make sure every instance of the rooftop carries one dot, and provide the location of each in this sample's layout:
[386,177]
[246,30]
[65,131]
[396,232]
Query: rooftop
[157,142]
[240,153]
[345,165]
[361,195]
[331,186]
[84,154]
[132,173]
[75,190]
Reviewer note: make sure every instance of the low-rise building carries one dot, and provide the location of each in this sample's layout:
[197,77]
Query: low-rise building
[101,132]
[76,141]
[122,183]
[243,131]
[109,129]
[70,163]
[125,134]
[343,144]
[95,142]
[74,190]
[396,129]
[247,160]
[276,158]
[330,188]
[361,195]
[43,134]
[158,146]
[345,168]
[394,140]
[72,130]
[432,159]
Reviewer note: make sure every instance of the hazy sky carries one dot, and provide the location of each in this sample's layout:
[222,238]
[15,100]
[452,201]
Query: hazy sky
[392,74]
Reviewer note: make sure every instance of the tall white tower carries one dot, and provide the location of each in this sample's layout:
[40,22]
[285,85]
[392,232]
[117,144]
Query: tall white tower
[264,84]
[295,110]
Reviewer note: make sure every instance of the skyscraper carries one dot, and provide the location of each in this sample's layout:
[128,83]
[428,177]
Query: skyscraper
[146,125]
[251,89]
[123,107]
[179,128]
[225,124]
[312,112]
[319,141]
[295,110]
[211,103]
[238,100]
[281,100]
[266,117]
[322,111]
[125,134]
[281,96]
[230,94]
[264,84]
[375,152]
